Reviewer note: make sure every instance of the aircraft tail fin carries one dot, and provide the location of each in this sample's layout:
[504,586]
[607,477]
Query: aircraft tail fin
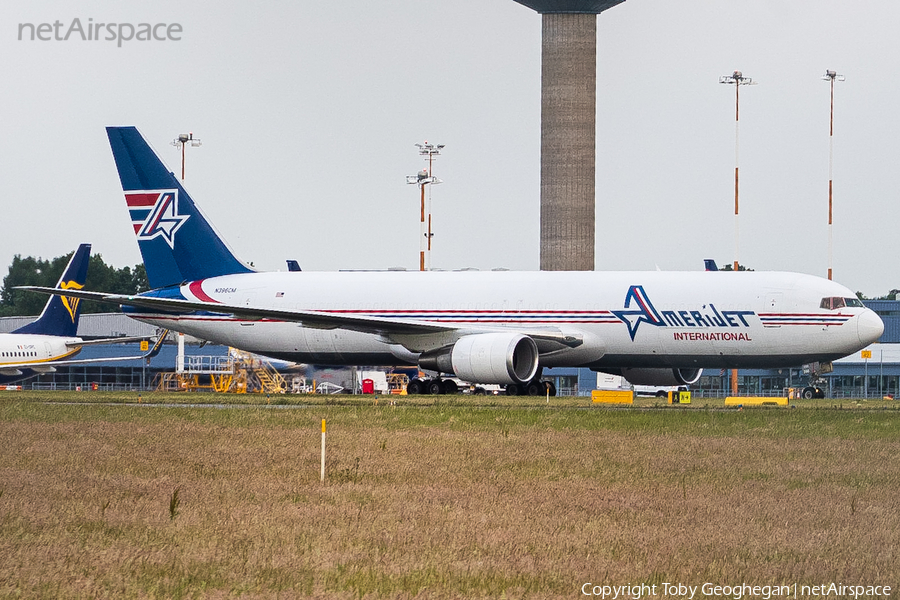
[60,314]
[177,242]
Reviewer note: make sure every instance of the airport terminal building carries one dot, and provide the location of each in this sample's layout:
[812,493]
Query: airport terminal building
[852,376]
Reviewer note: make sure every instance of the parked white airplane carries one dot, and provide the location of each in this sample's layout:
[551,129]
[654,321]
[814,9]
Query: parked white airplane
[50,340]
[654,328]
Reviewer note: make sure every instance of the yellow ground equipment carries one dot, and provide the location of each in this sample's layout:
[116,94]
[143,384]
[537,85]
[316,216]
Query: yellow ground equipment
[679,397]
[612,396]
[396,383]
[755,401]
[239,373]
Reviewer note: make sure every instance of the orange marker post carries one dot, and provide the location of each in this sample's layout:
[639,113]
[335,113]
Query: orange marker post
[322,474]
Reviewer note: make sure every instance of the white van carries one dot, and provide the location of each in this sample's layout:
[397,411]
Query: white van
[606,381]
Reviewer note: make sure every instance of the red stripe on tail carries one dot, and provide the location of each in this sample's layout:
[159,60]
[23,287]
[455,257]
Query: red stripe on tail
[143,199]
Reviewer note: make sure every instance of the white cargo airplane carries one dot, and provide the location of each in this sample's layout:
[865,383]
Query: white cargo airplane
[50,341]
[653,328]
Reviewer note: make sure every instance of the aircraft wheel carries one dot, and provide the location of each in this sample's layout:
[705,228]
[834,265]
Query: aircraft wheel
[512,389]
[415,387]
[448,386]
[435,387]
[536,388]
[809,393]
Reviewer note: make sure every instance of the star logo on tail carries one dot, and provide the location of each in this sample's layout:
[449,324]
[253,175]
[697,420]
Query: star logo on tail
[644,313]
[163,220]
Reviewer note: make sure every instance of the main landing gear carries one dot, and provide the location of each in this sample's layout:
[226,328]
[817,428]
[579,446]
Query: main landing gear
[535,387]
[434,387]
[438,386]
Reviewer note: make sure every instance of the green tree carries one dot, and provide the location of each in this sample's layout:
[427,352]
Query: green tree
[891,295]
[29,271]
[36,271]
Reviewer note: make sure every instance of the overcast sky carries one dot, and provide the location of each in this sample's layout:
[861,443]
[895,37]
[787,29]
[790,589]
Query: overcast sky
[309,111]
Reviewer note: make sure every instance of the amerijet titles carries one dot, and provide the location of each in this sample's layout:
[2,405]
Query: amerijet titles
[708,316]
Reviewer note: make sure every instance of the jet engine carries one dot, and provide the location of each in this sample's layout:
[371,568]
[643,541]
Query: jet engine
[664,377]
[500,358]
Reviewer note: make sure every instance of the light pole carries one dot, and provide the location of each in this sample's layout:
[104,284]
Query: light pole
[183,140]
[422,179]
[736,79]
[831,76]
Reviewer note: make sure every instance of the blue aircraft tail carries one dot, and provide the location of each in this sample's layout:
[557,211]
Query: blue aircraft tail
[60,315]
[176,241]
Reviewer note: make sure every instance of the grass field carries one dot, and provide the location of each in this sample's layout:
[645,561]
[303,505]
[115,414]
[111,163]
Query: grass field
[437,497]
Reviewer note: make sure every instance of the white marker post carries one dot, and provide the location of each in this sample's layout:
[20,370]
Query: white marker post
[322,475]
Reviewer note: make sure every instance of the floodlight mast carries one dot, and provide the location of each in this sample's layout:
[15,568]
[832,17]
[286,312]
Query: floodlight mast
[831,76]
[183,140]
[424,178]
[736,79]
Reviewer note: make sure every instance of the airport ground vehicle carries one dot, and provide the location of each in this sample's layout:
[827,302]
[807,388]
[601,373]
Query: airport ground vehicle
[617,382]
[487,389]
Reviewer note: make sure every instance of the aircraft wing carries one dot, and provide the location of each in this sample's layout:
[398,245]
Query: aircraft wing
[308,318]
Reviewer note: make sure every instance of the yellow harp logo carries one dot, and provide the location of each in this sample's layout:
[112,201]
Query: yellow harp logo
[71,304]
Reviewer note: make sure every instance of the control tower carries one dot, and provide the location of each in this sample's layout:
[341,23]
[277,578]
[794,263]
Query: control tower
[568,130]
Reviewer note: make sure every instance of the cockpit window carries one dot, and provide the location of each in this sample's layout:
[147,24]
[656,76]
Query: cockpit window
[832,303]
[836,303]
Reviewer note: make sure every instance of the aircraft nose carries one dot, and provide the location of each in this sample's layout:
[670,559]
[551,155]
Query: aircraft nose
[869,327]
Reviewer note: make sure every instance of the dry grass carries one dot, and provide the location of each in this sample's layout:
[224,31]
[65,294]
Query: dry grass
[438,502]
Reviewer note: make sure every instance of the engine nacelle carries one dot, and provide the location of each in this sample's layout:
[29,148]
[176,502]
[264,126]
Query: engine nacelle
[500,358]
[662,377]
